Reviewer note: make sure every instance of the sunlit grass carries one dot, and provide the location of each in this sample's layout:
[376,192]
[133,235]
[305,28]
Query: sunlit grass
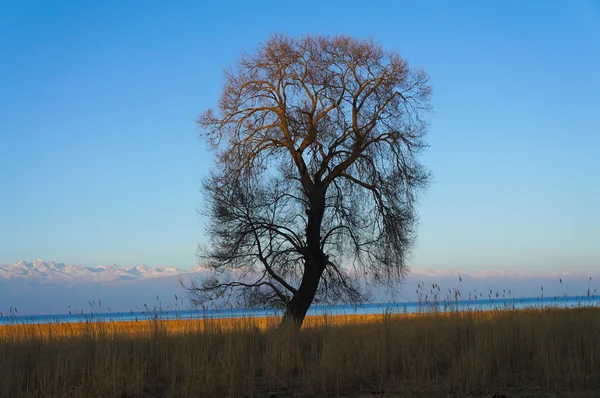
[424,354]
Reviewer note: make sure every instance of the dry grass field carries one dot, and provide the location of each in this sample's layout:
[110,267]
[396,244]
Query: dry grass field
[544,352]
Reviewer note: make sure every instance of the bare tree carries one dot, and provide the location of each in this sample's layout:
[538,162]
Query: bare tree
[317,140]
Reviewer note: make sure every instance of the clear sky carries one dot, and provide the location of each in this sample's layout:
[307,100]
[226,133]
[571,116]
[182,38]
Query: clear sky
[100,161]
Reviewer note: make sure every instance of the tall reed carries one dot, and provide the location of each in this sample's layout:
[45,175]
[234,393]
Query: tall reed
[439,353]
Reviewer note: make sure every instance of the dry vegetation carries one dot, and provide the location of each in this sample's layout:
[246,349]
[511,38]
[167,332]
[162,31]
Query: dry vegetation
[479,353]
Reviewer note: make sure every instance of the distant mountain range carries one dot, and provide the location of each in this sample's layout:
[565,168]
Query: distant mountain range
[49,287]
[53,271]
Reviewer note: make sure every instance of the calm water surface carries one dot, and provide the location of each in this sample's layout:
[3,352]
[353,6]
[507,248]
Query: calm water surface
[406,307]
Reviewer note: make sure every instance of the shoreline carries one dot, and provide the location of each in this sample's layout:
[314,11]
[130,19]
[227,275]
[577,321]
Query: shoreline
[147,327]
[410,307]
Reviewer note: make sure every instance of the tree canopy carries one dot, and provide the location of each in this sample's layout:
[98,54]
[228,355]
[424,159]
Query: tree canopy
[317,141]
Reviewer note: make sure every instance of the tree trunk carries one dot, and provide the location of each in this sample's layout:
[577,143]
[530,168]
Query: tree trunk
[314,263]
[299,304]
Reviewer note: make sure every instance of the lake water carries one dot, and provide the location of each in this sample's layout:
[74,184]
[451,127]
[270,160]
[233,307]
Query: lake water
[407,307]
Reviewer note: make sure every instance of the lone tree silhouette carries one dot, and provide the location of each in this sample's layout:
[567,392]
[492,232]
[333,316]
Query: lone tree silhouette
[316,142]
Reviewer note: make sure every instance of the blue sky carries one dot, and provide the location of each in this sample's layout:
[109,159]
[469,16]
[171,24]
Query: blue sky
[100,161]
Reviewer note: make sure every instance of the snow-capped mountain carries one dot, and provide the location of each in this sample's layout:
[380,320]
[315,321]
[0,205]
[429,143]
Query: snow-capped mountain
[49,287]
[53,271]
[500,273]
